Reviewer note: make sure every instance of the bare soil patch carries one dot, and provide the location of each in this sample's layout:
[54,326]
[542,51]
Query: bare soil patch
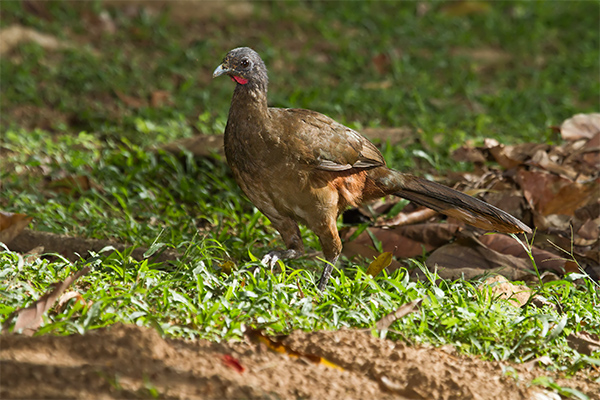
[126,361]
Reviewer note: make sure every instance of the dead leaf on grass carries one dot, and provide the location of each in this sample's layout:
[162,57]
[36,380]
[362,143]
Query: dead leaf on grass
[228,266]
[130,101]
[512,156]
[68,296]
[590,230]
[378,85]
[485,55]
[402,241]
[72,184]
[584,342]
[530,365]
[30,318]
[11,225]
[551,194]
[465,7]
[160,98]
[517,295]
[382,63]
[33,254]
[14,35]
[506,245]
[541,159]
[420,215]
[580,126]
[405,309]
[468,153]
[379,264]
[467,257]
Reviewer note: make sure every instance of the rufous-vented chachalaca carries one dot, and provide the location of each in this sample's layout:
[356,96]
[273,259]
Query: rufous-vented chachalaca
[298,165]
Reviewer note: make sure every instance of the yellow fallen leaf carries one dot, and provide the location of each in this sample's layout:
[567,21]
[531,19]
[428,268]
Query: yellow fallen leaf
[227,267]
[378,265]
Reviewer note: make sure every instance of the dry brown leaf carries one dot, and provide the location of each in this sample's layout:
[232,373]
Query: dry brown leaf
[590,230]
[591,152]
[542,159]
[33,254]
[551,194]
[14,35]
[503,244]
[584,342]
[530,365]
[11,225]
[30,318]
[405,309]
[378,85]
[68,296]
[505,157]
[72,184]
[402,241]
[130,101]
[512,156]
[469,257]
[469,154]
[517,295]
[465,7]
[160,98]
[382,63]
[72,247]
[580,126]
[414,217]
[486,55]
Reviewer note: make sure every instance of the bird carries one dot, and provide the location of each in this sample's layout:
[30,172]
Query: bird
[301,166]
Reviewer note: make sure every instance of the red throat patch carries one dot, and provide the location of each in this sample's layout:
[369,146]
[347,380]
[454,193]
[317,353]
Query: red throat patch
[239,80]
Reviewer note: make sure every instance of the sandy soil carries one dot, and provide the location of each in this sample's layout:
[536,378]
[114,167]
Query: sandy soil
[126,361]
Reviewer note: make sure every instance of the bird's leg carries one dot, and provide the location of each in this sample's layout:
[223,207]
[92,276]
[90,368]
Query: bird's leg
[290,233]
[332,247]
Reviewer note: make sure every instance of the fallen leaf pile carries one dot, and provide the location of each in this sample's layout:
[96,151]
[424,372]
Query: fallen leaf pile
[552,188]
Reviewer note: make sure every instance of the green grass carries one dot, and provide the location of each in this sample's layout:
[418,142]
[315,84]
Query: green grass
[196,299]
[547,71]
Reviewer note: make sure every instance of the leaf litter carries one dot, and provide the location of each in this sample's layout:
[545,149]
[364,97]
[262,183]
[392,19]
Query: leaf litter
[552,188]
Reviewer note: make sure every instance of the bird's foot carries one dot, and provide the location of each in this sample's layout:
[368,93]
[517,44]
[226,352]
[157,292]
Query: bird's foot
[271,258]
[327,270]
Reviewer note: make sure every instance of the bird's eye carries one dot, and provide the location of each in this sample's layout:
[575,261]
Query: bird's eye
[244,63]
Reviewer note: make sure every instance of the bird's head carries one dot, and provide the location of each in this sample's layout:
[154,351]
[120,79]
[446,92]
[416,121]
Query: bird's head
[244,66]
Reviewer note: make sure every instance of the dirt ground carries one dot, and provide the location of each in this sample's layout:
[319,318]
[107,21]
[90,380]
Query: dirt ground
[126,361]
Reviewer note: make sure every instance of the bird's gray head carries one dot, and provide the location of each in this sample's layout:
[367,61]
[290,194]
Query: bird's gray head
[245,67]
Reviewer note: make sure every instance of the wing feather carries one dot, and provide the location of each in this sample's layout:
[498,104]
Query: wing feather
[329,145]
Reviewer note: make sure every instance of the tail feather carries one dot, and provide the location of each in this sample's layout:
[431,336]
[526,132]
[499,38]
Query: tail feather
[458,205]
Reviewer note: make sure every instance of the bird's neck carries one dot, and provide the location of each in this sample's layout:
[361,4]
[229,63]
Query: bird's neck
[250,100]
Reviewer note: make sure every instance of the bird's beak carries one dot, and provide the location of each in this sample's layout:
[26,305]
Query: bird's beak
[220,71]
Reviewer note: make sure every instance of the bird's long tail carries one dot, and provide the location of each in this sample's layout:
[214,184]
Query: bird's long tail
[450,202]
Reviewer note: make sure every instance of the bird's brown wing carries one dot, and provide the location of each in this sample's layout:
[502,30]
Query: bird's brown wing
[326,144]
